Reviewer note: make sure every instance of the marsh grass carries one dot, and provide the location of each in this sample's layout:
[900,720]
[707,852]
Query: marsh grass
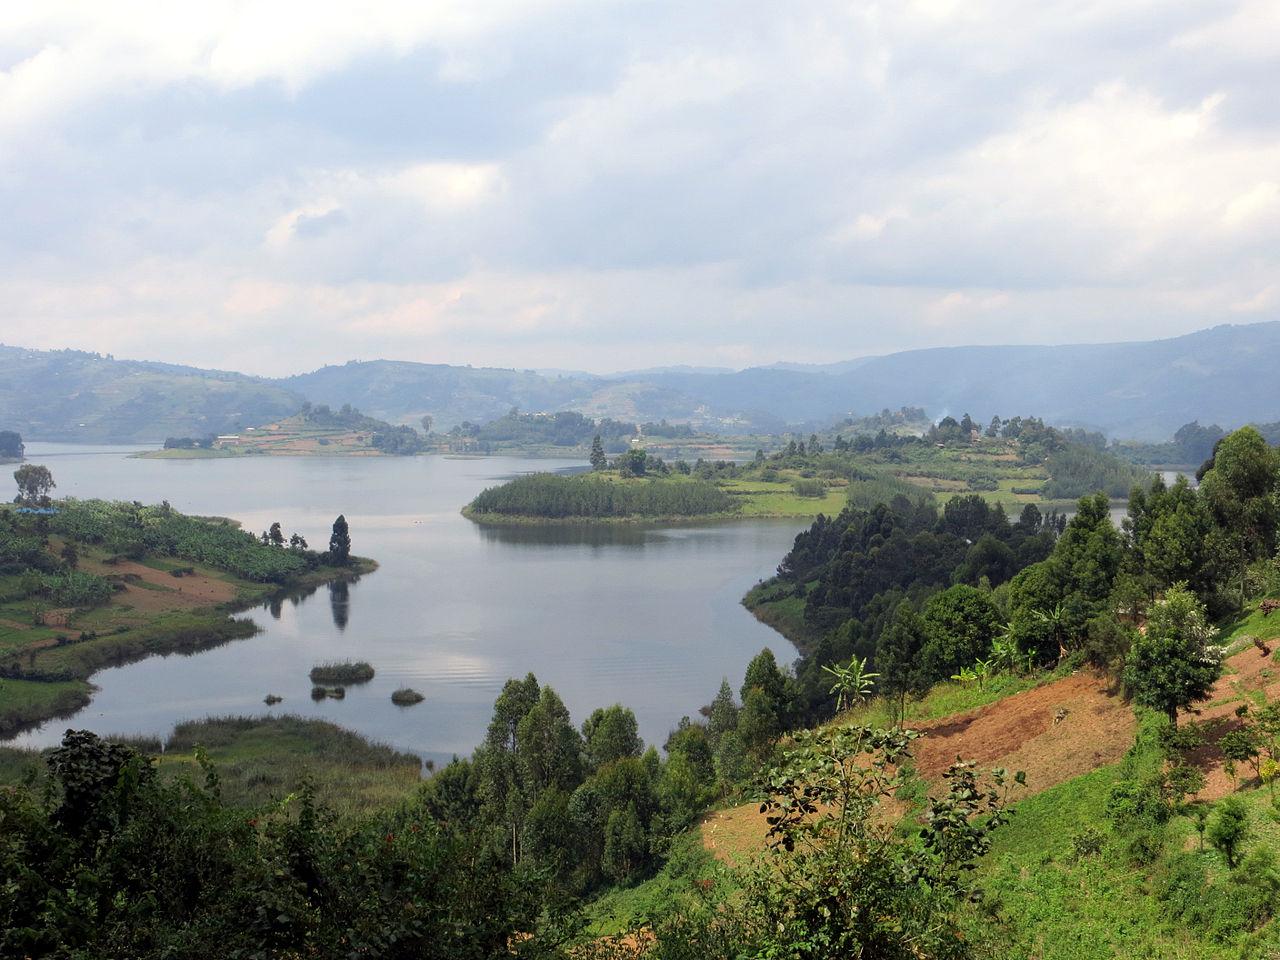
[342,671]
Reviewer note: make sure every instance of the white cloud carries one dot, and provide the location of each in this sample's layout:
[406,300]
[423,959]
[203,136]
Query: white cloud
[504,182]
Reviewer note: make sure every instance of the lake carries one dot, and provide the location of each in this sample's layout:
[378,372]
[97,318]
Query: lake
[648,617]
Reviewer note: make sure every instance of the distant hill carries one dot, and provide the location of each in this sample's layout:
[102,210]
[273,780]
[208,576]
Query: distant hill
[1142,390]
[75,396]
[403,392]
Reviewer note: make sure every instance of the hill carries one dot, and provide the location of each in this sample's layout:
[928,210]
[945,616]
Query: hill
[1140,390]
[71,395]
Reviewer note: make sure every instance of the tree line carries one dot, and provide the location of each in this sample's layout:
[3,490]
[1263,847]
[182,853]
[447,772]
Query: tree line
[557,497]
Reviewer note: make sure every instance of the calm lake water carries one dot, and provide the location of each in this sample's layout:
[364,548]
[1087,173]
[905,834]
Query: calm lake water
[646,617]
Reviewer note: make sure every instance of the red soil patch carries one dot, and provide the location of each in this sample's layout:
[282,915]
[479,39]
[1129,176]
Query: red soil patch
[1053,733]
[187,592]
[1253,672]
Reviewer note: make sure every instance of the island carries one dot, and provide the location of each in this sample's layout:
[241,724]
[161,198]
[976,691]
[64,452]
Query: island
[313,431]
[86,584]
[1010,463]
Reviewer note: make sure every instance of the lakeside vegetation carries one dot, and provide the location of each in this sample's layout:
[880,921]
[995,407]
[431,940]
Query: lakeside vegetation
[86,584]
[1015,462]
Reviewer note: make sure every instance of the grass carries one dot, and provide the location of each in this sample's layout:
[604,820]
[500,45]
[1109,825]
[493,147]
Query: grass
[689,868]
[763,499]
[342,671]
[406,697]
[1043,901]
[774,603]
[947,698]
[27,702]
[264,759]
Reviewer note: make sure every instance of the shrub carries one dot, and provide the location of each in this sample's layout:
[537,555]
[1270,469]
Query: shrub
[406,697]
[809,488]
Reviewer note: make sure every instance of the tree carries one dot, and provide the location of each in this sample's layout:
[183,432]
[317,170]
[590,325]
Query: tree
[1229,828]
[723,716]
[852,683]
[340,543]
[276,535]
[298,542]
[898,657]
[427,421]
[633,463]
[959,624]
[625,844]
[11,446]
[611,733]
[34,483]
[598,460]
[841,879]
[549,748]
[1240,490]
[1173,665]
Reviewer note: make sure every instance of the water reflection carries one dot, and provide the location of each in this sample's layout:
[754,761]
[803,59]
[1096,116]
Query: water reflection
[568,534]
[340,603]
[613,613]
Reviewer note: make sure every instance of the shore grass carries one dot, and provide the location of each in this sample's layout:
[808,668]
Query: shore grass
[262,760]
[406,697]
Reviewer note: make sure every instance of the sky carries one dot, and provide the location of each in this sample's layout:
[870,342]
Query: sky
[273,186]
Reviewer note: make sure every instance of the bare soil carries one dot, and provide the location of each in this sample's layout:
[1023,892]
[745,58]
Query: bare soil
[1053,733]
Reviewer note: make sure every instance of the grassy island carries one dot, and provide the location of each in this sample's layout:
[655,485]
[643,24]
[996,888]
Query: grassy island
[342,671]
[90,584]
[1026,462]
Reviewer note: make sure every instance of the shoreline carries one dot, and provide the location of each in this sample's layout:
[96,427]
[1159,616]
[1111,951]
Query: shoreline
[61,693]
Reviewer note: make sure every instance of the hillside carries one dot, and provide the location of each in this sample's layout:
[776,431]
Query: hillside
[70,395]
[1140,390]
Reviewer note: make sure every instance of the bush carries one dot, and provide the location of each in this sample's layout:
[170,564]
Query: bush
[406,697]
[809,488]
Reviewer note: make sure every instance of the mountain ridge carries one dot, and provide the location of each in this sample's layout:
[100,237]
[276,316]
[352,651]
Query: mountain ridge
[1129,389]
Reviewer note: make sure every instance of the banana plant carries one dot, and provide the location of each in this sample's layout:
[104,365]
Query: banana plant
[853,682]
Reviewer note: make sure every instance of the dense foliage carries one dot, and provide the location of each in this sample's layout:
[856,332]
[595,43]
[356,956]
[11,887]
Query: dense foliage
[114,861]
[134,530]
[565,428]
[922,596]
[555,497]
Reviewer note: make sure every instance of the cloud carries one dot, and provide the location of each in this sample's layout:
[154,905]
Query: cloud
[566,183]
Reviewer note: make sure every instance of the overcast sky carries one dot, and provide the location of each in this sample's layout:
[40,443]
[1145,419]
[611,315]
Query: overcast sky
[592,185]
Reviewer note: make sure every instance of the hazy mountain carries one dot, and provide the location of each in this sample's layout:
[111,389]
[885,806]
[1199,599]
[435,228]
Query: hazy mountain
[71,395]
[1131,390]
[402,392]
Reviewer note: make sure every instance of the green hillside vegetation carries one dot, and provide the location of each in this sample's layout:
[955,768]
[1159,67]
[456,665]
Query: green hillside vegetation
[91,583]
[859,852]
[82,397]
[1022,461]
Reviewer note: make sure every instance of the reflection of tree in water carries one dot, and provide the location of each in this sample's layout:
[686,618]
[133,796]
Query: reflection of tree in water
[340,602]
